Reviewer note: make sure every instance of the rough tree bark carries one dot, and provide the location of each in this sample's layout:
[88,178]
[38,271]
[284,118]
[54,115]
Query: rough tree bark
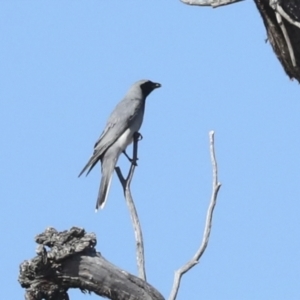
[276,36]
[71,261]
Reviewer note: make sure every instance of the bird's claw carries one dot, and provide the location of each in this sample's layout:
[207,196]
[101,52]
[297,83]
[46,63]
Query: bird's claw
[138,136]
[134,162]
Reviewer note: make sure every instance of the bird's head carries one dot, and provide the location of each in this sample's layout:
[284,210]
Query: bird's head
[147,86]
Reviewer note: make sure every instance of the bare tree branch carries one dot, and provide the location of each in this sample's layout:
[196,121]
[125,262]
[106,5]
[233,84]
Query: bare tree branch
[140,256]
[68,259]
[212,3]
[208,224]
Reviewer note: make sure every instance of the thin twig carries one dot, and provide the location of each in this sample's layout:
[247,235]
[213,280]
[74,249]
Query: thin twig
[212,3]
[140,257]
[208,224]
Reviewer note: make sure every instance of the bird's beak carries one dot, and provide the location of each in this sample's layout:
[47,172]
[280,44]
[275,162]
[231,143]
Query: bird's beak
[157,85]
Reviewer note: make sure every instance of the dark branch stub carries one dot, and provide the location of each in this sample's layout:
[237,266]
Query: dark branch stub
[68,259]
[283,35]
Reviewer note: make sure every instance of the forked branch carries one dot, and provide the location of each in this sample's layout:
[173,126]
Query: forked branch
[133,213]
[208,224]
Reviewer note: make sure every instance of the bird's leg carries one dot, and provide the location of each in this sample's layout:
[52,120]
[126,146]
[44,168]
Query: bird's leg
[128,157]
[136,137]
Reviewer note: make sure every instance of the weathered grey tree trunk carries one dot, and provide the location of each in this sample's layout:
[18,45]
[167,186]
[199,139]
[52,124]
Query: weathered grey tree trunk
[71,261]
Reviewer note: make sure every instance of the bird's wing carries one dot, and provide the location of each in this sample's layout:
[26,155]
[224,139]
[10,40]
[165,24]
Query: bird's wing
[120,120]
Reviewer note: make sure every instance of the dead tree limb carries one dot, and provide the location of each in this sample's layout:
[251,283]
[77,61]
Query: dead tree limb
[68,259]
[212,3]
[208,224]
[140,256]
[282,21]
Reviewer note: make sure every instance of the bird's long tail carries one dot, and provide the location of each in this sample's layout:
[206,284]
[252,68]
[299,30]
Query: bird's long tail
[90,164]
[108,167]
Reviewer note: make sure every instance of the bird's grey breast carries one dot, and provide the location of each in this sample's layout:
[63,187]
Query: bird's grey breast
[134,110]
[138,116]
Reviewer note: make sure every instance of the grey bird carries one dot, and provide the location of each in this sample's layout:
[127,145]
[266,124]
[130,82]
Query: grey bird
[125,120]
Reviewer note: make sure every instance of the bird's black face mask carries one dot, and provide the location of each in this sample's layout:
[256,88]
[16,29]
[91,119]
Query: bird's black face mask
[148,86]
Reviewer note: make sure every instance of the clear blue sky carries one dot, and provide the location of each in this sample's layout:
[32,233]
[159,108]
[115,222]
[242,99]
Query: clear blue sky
[63,67]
